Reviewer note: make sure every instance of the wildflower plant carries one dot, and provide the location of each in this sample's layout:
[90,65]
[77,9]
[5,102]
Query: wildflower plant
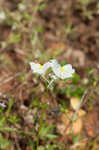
[58,71]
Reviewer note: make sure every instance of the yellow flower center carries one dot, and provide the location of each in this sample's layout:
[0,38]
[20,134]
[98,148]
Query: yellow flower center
[62,69]
[41,66]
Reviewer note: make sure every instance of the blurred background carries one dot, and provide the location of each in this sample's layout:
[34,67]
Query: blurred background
[40,30]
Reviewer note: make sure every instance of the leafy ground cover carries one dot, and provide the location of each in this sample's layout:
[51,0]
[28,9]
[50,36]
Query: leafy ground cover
[35,117]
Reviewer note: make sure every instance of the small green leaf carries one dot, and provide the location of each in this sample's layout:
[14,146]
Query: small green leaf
[44,131]
[42,7]
[51,136]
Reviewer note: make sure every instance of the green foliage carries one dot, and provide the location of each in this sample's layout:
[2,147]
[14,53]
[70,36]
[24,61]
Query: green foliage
[4,143]
[10,104]
[63,63]
[14,38]
[31,143]
[75,79]
[72,91]
[42,7]
[76,138]
[13,119]
[39,29]
[36,103]
[27,16]
[44,132]
[90,71]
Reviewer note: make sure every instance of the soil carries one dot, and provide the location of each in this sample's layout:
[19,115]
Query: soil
[69,25]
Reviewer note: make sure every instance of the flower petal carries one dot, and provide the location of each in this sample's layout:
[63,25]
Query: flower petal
[46,66]
[56,68]
[36,68]
[68,70]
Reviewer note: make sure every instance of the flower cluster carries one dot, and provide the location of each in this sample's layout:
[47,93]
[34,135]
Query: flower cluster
[61,72]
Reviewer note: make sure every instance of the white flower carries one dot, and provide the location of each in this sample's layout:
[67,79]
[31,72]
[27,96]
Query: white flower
[63,72]
[38,68]
[2,105]
[59,71]
[2,16]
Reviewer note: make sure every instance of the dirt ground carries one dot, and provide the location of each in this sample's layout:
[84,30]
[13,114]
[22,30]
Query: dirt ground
[67,30]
